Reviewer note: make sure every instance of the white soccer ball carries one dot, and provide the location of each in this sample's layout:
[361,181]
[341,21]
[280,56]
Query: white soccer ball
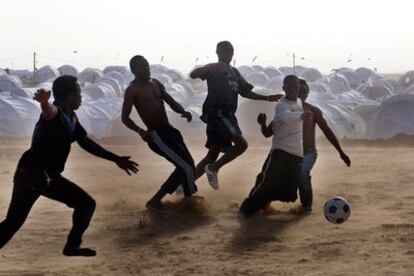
[337,210]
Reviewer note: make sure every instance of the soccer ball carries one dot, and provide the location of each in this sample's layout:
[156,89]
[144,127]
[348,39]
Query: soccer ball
[337,210]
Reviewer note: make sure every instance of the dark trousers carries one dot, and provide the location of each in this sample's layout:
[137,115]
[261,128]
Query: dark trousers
[278,180]
[28,186]
[169,143]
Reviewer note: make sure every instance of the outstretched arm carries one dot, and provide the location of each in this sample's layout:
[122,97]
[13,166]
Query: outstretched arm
[327,131]
[122,161]
[266,130]
[49,111]
[253,96]
[202,71]
[126,112]
[174,105]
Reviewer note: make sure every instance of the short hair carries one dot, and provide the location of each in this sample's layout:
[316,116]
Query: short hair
[290,78]
[63,86]
[135,60]
[304,83]
[224,44]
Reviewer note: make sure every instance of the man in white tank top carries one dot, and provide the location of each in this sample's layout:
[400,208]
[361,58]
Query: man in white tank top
[280,174]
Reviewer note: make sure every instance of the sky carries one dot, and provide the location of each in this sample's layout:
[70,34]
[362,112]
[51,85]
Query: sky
[180,34]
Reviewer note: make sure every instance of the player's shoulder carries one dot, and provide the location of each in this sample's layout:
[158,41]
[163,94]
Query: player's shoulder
[313,109]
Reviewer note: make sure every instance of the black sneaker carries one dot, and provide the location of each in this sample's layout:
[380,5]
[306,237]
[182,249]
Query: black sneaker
[156,207]
[307,210]
[77,251]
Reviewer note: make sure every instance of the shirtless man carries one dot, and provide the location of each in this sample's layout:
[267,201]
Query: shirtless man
[148,95]
[309,146]
[225,84]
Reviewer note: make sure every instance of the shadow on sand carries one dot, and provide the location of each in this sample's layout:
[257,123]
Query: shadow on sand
[262,229]
[148,227]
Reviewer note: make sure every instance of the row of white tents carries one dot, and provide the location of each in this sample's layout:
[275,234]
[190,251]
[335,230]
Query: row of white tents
[356,103]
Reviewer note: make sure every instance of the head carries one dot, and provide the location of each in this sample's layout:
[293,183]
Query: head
[303,90]
[291,87]
[225,51]
[67,92]
[140,68]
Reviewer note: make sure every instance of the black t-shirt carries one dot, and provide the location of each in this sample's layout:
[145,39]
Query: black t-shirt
[223,90]
[51,143]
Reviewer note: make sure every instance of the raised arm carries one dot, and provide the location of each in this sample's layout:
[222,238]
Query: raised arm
[266,130]
[49,111]
[129,100]
[201,72]
[122,161]
[329,134]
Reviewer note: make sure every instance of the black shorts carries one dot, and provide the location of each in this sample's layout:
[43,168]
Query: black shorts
[222,127]
[168,143]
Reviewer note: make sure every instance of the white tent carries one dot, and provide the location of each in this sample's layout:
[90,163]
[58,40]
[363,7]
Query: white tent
[17,115]
[286,70]
[352,77]
[310,74]
[68,70]
[10,83]
[245,70]
[97,116]
[24,75]
[122,79]
[276,84]
[272,72]
[407,79]
[337,82]
[374,90]
[99,90]
[45,73]
[257,79]
[120,69]
[112,82]
[394,116]
[174,74]
[90,75]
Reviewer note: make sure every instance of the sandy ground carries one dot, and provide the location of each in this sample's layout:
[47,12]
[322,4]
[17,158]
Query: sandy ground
[206,238]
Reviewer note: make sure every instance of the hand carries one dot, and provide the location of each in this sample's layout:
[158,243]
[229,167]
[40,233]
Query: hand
[261,119]
[187,115]
[127,165]
[275,98]
[145,135]
[42,96]
[306,116]
[346,159]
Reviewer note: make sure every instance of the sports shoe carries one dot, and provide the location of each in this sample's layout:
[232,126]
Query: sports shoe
[156,207]
[307,210]
[71,251]
[211,177]
[179,191]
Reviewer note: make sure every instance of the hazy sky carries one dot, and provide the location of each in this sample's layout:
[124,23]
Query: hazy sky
[325,33]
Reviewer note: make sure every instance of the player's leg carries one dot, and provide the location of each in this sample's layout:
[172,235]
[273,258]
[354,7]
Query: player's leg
[67,192]
[305,185]
[23,198]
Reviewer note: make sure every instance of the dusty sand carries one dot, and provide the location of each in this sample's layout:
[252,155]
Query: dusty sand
[378,239]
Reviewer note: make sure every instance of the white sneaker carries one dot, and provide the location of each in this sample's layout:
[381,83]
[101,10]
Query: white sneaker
[179,191]
[211,177]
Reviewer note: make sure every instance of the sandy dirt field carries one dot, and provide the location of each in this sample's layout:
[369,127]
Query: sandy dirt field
[205,237]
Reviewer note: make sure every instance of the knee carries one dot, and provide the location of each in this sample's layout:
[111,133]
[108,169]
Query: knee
[87,204]
[242,145]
